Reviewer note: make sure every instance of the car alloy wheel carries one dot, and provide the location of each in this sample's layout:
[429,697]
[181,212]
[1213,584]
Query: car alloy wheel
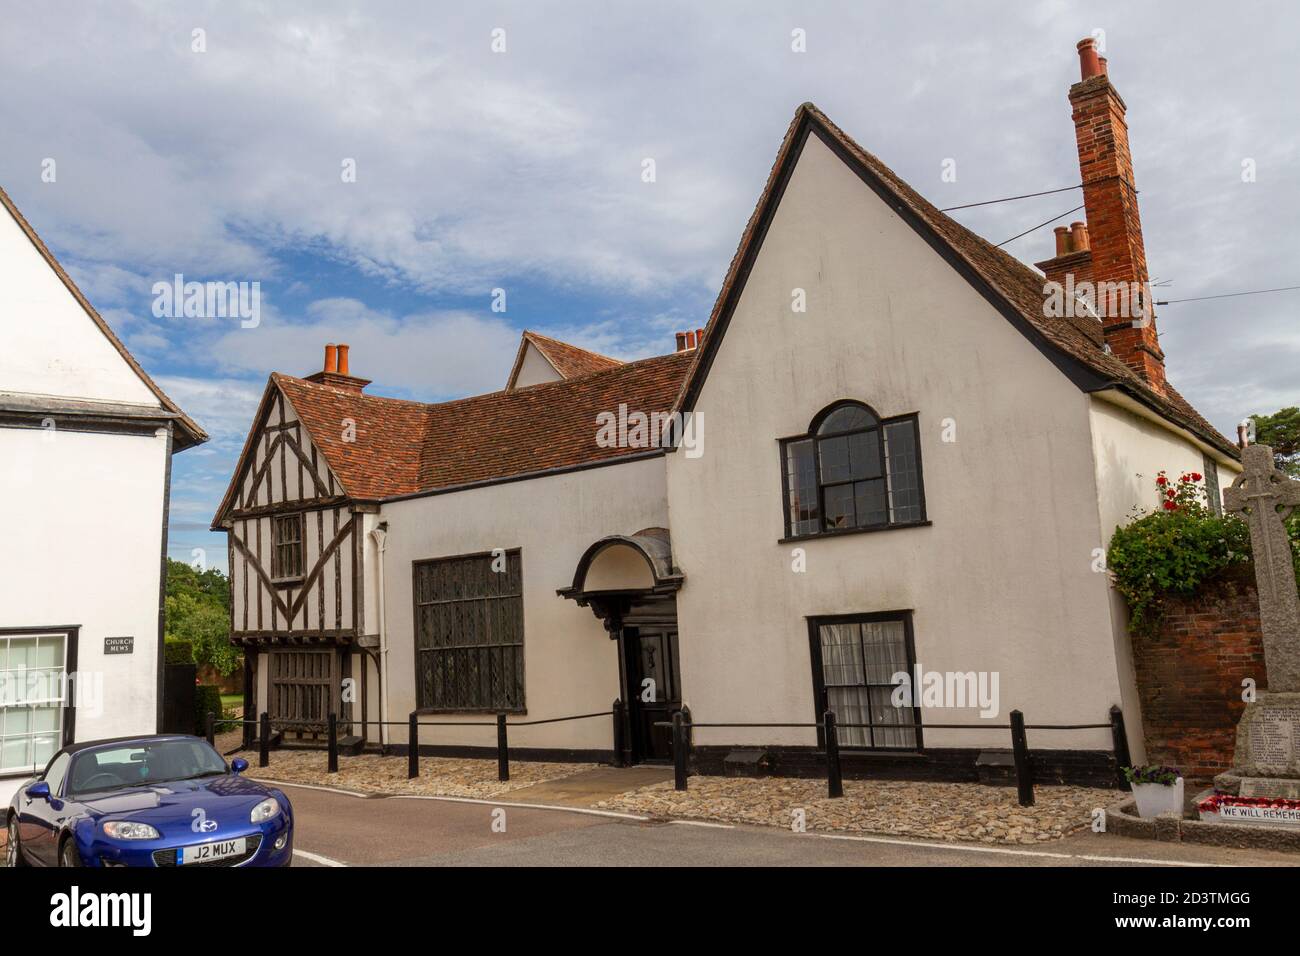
[69,856]
[12,855]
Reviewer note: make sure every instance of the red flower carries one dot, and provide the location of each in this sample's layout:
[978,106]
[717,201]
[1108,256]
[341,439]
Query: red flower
[1171,493]
[1162,480]
[1170,506]
[1196,476]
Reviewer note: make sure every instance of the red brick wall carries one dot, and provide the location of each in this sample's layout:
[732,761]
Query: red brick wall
[1189,677]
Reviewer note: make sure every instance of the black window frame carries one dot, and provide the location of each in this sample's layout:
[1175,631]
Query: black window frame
[423,707]
[277,562]
[820,696]
[882,423]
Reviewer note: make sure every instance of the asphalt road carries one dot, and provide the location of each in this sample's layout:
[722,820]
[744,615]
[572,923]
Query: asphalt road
[336,829]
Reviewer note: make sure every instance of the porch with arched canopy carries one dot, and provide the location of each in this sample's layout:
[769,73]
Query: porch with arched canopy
[630,583]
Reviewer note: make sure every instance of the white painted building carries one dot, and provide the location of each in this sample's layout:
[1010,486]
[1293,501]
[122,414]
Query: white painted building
[899,459]
[86,439]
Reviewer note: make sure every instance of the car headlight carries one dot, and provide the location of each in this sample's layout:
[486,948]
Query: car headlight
[265,810]
[128,830]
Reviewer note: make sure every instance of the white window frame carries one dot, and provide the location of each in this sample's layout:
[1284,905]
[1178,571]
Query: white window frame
[14,690]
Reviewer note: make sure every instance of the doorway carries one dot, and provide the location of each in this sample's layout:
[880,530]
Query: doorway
[653,682]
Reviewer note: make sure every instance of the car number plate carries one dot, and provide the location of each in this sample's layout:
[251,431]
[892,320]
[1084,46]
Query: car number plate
[217,850]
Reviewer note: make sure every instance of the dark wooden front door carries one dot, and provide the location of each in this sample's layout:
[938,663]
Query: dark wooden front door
[303,689]
[654,688]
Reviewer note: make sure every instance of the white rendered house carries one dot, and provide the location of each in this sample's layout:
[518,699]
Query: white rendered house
[86,439]
[916,468]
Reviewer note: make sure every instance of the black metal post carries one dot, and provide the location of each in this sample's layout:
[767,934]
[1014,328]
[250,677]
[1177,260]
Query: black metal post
[618,732]
[333,766]
[209,728]
[413,747]
[264,741]
[1120,738]
[679,751]
[503,749]
[834,779]
[1020,750]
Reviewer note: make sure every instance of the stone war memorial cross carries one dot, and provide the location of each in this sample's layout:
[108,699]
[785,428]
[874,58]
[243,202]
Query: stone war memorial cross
[1267,758]
[1257,493]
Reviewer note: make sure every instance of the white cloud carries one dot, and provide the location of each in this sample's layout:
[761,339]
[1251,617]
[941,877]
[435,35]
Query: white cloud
[428,355]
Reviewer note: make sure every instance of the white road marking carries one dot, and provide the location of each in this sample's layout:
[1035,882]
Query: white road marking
[312,786]
[317,858]
[490,803]
[522,806]
[1010,852]
[1094,858]
[705,823]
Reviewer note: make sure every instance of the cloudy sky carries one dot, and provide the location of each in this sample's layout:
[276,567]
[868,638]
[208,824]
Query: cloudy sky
[521,170]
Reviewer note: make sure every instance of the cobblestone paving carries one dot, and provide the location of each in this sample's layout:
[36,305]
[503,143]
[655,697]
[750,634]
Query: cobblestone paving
[439,776]
[965,812]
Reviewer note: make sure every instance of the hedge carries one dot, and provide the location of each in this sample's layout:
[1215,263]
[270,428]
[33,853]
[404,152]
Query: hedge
[207,700]
[177,651]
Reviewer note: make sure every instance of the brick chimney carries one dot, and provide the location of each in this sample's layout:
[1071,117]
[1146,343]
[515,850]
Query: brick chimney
[335,371]
[1116,257]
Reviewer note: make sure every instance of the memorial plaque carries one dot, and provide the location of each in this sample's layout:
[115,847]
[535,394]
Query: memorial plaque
[1273,736]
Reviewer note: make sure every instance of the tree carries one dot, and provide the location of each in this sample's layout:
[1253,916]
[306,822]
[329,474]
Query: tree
[1281,431]
[198,610]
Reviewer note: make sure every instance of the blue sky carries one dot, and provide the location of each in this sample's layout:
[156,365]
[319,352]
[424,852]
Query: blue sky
[522,170]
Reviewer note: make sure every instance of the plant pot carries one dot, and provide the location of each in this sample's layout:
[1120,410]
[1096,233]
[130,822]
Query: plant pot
[1154,799]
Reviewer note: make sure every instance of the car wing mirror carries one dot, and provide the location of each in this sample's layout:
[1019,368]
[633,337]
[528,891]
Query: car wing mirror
[239,765]
[39,791]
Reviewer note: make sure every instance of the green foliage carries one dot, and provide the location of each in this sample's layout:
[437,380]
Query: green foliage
[1281,431]
[1175,551]
[207,700]
[176,651]
[1165,776]
[198,611]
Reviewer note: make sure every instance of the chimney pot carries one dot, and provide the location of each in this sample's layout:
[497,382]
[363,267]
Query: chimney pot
[1079,236]
[1062,240]
[699,337]
[331,358]
[1089,65]
[1101,61]
[681,341]
[343,359]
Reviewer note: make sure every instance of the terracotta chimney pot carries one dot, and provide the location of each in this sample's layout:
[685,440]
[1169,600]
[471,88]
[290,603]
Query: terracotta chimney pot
[331,358]
[1079,236]
[343,359]
[1089,64]
[1062,240]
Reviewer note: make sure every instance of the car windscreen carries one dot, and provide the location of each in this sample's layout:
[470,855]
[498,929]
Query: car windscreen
[141,763]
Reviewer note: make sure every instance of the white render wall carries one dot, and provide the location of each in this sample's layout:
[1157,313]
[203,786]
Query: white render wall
[48,345]
[535,369]
[82,546]
[570,663]
[1129,450]
[1001,581]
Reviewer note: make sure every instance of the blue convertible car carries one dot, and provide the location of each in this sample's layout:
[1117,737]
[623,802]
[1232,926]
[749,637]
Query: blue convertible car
[147,801]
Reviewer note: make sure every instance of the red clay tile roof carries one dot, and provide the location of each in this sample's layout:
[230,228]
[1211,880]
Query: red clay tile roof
[1021,287]
[406,447]
[569,360]
[188,432]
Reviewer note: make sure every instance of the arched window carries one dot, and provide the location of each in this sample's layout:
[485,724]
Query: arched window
[852,471]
